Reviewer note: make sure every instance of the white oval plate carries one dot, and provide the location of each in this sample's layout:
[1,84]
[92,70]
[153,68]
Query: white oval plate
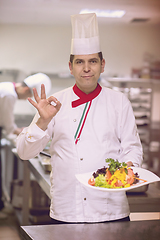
[142,173]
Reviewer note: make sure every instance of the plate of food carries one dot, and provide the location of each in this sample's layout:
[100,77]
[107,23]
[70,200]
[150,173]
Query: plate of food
[117,177]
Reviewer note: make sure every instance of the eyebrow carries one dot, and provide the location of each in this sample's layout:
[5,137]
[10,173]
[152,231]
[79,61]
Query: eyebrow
[94,59]
[78,59]
[81,59]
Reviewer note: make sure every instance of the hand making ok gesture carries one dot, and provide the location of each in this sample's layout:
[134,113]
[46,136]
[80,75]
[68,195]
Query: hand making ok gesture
[47,107]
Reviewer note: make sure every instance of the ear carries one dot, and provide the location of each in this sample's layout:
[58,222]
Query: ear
[102,65]
[70,68]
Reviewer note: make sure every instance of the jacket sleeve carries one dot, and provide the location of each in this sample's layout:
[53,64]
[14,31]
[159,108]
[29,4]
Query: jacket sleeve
[31,141]
[129,137]
[8,114]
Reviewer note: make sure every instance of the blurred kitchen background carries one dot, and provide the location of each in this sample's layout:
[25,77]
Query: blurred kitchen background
[35,36]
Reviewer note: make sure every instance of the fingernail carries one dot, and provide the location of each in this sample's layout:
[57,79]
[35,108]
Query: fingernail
[53,104]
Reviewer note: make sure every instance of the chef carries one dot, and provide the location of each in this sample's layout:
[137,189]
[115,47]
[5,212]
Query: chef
[86,123]
[9,93]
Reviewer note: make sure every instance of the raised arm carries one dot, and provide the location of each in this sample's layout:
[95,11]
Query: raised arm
[34,138]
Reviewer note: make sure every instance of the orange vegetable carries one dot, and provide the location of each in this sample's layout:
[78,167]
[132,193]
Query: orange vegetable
[108,175]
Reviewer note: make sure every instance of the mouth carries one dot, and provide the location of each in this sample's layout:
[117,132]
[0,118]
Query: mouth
[87,76]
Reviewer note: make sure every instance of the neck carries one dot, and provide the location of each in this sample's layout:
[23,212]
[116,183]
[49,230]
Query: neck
[87,91]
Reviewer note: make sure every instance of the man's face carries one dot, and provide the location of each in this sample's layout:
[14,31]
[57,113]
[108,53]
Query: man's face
[86,69]
[24,93]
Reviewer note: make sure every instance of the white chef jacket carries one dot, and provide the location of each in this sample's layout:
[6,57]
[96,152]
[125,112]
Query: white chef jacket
[8,97]
[109,131]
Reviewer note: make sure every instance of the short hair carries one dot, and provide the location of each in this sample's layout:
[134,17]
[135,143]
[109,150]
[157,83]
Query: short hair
[99,54]
[24,84]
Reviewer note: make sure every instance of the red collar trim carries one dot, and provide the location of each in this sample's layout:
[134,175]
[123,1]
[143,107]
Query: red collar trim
[83,97]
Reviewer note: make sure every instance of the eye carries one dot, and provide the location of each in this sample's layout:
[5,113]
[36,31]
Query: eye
[94,61]
[78,61]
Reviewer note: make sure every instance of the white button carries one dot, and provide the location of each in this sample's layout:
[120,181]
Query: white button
[74,120]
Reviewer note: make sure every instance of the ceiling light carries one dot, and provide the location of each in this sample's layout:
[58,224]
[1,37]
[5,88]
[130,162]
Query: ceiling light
[105,13]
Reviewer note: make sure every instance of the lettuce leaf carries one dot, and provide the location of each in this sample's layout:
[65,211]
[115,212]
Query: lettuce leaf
[100,181]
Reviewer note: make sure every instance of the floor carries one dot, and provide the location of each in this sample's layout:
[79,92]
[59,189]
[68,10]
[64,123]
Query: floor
[9,228]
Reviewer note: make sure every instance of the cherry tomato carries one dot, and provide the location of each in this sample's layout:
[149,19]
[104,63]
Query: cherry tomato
[91,181]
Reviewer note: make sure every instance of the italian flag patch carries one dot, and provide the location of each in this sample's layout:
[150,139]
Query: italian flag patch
[82,121]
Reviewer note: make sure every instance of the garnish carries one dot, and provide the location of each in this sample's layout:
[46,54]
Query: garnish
[115,165]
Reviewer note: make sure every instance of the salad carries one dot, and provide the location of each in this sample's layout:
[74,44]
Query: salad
[116,175]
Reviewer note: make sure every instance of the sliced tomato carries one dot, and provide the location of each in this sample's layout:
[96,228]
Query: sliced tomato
[108,175]
[91,181]
[118,183]
[130,176]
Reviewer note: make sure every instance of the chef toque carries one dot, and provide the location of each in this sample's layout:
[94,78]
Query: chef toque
[35,81]
[85,36]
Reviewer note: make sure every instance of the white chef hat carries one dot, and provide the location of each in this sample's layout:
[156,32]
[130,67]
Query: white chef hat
[35,81]
[85,35]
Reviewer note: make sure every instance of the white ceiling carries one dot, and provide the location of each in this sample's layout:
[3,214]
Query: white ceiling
[59,11]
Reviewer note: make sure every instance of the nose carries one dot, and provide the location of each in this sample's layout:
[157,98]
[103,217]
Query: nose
[86,67]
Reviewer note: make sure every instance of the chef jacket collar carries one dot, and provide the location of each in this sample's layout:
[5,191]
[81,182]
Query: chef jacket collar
[83,97]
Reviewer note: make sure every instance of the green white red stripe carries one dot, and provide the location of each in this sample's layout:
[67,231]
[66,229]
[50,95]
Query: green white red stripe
[82,121]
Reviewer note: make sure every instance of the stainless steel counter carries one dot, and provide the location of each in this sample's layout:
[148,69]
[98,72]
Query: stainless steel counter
[139,230]
[42,177]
